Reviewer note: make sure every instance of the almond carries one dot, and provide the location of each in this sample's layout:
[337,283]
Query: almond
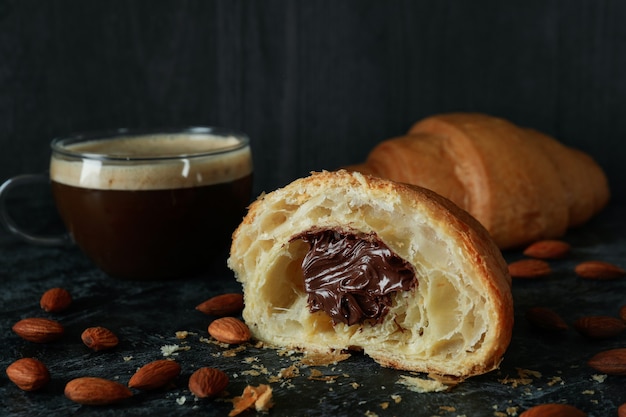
[207,382]
[229,330]
[154,375]
[553,410]
[621,410]
[611,362]
[548,249]
[28,374]
[55,300]
[96,391]
[529,268]
[622,313]
[599,327]
[39,330]
[222,305]
[545,319]
[99,338]
[599,270]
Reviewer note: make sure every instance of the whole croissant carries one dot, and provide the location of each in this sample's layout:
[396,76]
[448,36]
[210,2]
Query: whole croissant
[521,184]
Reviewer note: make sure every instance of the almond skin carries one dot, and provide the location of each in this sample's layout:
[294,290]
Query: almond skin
[222,305]
[599,327]
[545,319]
[611,362]
[548,249]
[207,382]
[28,374]
[99,338]
[553,410]
[39,330]
[229,330]
[154,375]
[529,268]
[599,270]
[55,300]
[96,391]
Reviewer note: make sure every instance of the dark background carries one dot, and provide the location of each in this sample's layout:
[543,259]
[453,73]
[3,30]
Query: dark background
[315,84]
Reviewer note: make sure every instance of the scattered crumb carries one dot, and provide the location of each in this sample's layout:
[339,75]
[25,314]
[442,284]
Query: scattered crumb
[369,413]
[127,358]
[384,405]
[599,378]
[588,392]
[355,385]
[323,359]
[259,398]
[396,398]
[170,350]
[181,400]
[447,408]
[555,380]
[421,385]
[524,378]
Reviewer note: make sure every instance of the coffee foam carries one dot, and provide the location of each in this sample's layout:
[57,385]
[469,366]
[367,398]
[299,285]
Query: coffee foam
[183,172]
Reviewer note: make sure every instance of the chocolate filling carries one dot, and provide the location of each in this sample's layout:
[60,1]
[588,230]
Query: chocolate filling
[350,277]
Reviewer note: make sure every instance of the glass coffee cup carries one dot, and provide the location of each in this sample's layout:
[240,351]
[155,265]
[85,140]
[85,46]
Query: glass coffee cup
[147,204]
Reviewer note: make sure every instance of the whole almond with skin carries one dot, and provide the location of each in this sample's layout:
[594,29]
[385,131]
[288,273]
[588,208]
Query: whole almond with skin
[229,330]
[548,249]
[154,375]
[222,305]
[599,270]
[55,300]
[553,410]
[99,338]
[96,391]
[622,313]
[545,319]
[611,362]
[207,382]
[529,268]
[29,374]
[599,327]
[621,410]
[39,330]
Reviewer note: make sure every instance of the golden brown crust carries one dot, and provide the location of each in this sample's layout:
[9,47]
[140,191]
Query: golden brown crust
[520,184]
[458,321]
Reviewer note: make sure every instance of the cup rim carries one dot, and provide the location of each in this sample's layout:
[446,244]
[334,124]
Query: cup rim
[59,144]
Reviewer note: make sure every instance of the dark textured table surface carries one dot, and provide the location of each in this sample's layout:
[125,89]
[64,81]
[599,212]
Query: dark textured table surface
[146,316]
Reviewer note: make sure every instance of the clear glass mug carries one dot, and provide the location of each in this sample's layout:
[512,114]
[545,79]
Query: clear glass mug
[146,204]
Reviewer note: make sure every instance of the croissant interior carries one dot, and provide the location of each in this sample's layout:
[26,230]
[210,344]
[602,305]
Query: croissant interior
[457,321]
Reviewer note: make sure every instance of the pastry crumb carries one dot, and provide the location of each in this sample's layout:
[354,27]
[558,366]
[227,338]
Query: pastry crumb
[421,385]
[259,398]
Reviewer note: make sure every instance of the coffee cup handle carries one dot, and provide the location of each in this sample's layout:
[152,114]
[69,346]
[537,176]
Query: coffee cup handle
[11,224]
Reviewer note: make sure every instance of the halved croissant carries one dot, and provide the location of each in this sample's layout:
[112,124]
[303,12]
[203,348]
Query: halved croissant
[521,184]
[451,315]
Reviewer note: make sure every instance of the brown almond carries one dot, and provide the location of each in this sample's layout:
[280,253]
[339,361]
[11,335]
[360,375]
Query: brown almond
[229,330]
[222,305]
[529,268]
[611,362]
[545,319]
[621,410]
[622,313]
[599,270]
[154,375]
[599,327]
[548,249]
[29,374]
[55,300]
[39,330]
[99,338]
[553,410]
[96,391]
[207,382]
